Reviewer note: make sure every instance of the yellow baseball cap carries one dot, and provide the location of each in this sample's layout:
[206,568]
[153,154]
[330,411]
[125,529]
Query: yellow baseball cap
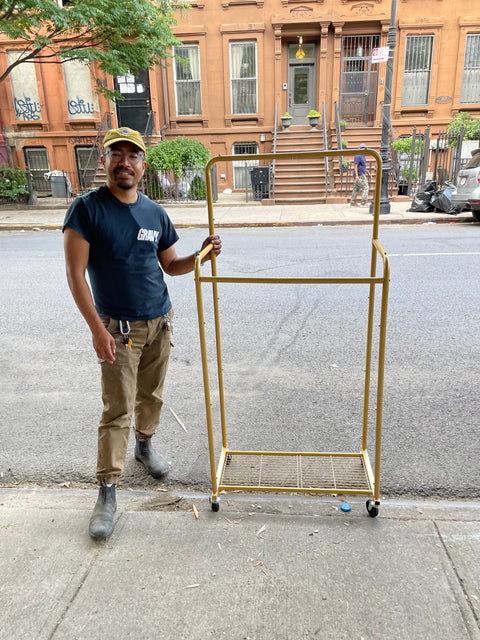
[124,134]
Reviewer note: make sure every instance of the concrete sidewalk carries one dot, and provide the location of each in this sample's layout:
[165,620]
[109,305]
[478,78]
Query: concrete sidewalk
[266,567]
[230,212]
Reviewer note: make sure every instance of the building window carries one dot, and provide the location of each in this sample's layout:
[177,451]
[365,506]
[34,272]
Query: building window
[470,93]
[241,168]
[81,102]
[243,77]
[36,161]
[417,70]
[187,80]
[25,91]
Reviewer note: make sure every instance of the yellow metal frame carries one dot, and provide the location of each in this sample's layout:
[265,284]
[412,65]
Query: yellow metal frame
[299,471]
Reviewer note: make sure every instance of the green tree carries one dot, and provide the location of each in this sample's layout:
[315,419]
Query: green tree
[119,36]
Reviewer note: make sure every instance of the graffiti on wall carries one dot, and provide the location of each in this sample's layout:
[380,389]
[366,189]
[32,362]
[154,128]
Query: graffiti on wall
[79,106]
[27,109]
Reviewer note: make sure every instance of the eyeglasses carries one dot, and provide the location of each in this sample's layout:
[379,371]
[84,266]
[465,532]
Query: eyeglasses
[132,156]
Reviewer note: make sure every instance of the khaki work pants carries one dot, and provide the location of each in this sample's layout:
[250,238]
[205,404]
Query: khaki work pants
[132,384]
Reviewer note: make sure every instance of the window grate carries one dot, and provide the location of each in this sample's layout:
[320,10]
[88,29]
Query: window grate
[243,77]
[417,70]
[470,92]
[241,168]
[187,80]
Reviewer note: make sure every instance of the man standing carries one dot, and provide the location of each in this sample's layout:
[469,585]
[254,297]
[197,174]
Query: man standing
[360,185]
[126,242]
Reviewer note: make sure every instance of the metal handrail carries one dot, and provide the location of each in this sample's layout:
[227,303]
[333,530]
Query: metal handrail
[105,124]
[325,145]
[147,134]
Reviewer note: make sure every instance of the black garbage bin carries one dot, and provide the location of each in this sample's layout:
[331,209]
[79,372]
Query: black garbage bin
[260,177]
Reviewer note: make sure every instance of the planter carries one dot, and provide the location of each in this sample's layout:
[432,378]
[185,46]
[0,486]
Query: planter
[313,121]
[286,122]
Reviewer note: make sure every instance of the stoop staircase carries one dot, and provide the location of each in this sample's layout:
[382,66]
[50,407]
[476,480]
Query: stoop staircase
[300,181]
[304,181]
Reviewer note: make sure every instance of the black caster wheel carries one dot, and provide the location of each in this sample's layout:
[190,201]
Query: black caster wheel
[215,504]
[372,509]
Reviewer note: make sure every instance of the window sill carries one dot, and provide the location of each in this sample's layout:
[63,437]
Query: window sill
[188,121]
[32,124]
[421,110]
[87,123]
[229,3]
[460,106]
[243,118]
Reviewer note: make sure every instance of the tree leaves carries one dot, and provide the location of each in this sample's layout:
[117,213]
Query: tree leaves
[119,36]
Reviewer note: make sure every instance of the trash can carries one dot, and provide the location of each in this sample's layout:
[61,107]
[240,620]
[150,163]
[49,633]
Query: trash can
[260,177]
[59,186]
[59,183]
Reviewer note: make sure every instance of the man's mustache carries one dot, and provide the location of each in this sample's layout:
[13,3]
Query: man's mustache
[123,168]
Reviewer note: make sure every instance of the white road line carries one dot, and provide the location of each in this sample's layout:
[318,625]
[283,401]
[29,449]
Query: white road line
[408,255]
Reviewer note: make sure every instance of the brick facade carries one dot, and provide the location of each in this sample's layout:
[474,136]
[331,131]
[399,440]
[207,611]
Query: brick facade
[243,70]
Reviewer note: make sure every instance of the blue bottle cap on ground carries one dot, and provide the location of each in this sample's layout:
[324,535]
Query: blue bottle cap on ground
[346,507]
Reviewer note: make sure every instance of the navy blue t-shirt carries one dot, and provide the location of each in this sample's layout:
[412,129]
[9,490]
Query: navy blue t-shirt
[125,275]
[361,163]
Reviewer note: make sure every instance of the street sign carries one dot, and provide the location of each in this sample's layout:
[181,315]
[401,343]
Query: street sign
[380,54]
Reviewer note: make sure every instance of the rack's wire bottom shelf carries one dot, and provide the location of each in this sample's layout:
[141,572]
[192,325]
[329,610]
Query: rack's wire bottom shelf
[302,472]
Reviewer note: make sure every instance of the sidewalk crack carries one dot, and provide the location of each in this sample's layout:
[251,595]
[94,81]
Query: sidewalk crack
[83,579]
[460,583]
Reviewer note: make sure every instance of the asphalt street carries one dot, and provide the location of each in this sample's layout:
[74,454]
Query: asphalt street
[293,358]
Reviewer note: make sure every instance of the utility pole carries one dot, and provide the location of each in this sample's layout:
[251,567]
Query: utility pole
[384,146]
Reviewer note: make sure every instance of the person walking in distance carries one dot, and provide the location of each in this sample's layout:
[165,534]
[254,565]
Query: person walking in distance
[126,243]
[360,185]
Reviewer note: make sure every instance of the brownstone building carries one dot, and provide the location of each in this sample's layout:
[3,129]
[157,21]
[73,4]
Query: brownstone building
[243,64]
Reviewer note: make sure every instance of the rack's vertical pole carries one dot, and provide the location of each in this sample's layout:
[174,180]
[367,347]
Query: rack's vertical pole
[206,382]
[216,310]
[381,376]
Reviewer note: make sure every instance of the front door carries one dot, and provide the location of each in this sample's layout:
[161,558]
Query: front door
[301,82]
[358,93]
[133,110]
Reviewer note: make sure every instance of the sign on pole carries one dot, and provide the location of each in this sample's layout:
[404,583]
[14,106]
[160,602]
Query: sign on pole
[380,54]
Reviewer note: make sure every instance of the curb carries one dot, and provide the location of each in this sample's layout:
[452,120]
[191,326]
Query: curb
[32,226]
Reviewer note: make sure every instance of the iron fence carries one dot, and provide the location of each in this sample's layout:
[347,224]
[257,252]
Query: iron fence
[424,158]
[165,186]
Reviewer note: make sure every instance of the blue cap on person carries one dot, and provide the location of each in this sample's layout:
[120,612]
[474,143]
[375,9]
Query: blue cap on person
[362,146]
[124,134]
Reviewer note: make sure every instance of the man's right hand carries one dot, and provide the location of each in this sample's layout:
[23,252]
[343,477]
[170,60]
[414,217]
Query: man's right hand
[104,345]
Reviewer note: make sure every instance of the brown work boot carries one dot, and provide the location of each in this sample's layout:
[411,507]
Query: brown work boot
[154,464]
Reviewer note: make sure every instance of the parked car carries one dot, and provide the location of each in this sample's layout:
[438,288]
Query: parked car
[466,196]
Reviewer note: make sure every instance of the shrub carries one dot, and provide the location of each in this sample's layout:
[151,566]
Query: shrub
[198,189]
[178,154]
[313,114]
[471,126]
[13,184]
[154,190]
[404,145]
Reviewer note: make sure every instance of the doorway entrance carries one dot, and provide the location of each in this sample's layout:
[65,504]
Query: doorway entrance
[358,81]
[133,110]
[301,82]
